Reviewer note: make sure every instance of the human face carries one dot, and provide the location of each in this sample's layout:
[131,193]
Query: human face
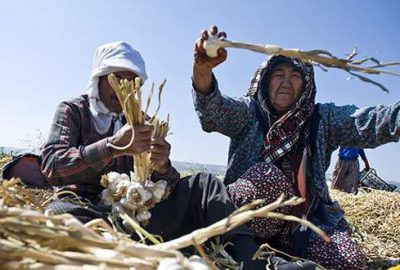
[285,87]
[107,94]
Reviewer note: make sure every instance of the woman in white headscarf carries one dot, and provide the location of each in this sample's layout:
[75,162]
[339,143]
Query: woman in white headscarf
[111,58]
[76,153]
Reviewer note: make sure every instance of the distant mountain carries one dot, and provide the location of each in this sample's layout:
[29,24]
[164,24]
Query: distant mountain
[195,167]
[11,150]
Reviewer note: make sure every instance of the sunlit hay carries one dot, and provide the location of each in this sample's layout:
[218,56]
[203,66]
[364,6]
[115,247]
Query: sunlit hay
[3,160]
[375,219]
[14,194]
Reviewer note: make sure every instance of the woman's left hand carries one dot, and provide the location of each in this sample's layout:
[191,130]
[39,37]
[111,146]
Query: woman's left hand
[160,150]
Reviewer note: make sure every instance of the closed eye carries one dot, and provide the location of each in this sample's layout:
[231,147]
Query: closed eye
[277,75]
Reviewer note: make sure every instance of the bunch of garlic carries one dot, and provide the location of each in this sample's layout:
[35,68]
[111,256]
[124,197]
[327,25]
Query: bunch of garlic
[194,263]
[126,196]
[129,94]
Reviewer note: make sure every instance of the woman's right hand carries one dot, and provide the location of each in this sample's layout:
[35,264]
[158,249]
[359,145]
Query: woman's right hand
[201,58]
[141,140]
[203,64]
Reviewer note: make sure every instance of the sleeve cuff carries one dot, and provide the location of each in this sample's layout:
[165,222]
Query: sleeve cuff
[172,176]
[97,154]
[214,92]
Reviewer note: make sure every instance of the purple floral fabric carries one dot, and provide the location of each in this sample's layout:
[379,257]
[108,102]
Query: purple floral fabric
[340,253]
[265,181]
[262,181]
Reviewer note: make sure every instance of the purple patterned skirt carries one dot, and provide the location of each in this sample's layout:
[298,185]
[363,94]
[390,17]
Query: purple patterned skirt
[266,181]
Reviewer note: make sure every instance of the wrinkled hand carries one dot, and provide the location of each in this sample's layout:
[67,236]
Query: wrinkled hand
[203,64]
[200,57]
[159,155]
[141,139]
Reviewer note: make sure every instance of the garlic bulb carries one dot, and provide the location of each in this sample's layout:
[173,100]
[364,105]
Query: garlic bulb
[159,190]
[106,197]
[118,208]
[212,44]
[143,216]
[130,197]
[194,262]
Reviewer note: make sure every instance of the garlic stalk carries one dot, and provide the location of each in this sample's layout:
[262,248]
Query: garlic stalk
[134,196]
[321,58]
[129,94]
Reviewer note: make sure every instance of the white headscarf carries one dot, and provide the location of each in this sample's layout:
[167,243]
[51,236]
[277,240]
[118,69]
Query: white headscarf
[109,58]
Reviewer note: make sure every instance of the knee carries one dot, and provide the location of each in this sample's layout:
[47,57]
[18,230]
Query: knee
[242,192]
[80,212]
[267,178]
[352,261]
[340,253]
[207,180]
[355,259]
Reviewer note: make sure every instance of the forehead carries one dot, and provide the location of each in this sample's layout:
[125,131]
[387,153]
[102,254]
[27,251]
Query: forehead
[284,67]
[129,75]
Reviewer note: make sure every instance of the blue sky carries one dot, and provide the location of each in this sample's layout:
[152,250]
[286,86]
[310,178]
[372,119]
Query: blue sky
[46,50]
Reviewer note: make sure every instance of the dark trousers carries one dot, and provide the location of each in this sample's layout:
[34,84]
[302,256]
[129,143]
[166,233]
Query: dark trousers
[197,201]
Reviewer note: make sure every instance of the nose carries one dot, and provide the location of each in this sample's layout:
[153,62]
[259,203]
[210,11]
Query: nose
[286,82]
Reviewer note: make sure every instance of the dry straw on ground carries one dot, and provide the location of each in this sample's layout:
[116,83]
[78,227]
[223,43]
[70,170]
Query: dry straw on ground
[29,239]
[375,218]
[4,159]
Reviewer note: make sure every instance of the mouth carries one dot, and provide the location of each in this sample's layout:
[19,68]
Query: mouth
[285,93]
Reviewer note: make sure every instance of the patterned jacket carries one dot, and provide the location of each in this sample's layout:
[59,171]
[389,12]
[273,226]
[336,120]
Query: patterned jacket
[337,126]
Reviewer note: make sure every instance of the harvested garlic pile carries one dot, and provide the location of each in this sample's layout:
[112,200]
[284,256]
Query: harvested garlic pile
[130,197]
